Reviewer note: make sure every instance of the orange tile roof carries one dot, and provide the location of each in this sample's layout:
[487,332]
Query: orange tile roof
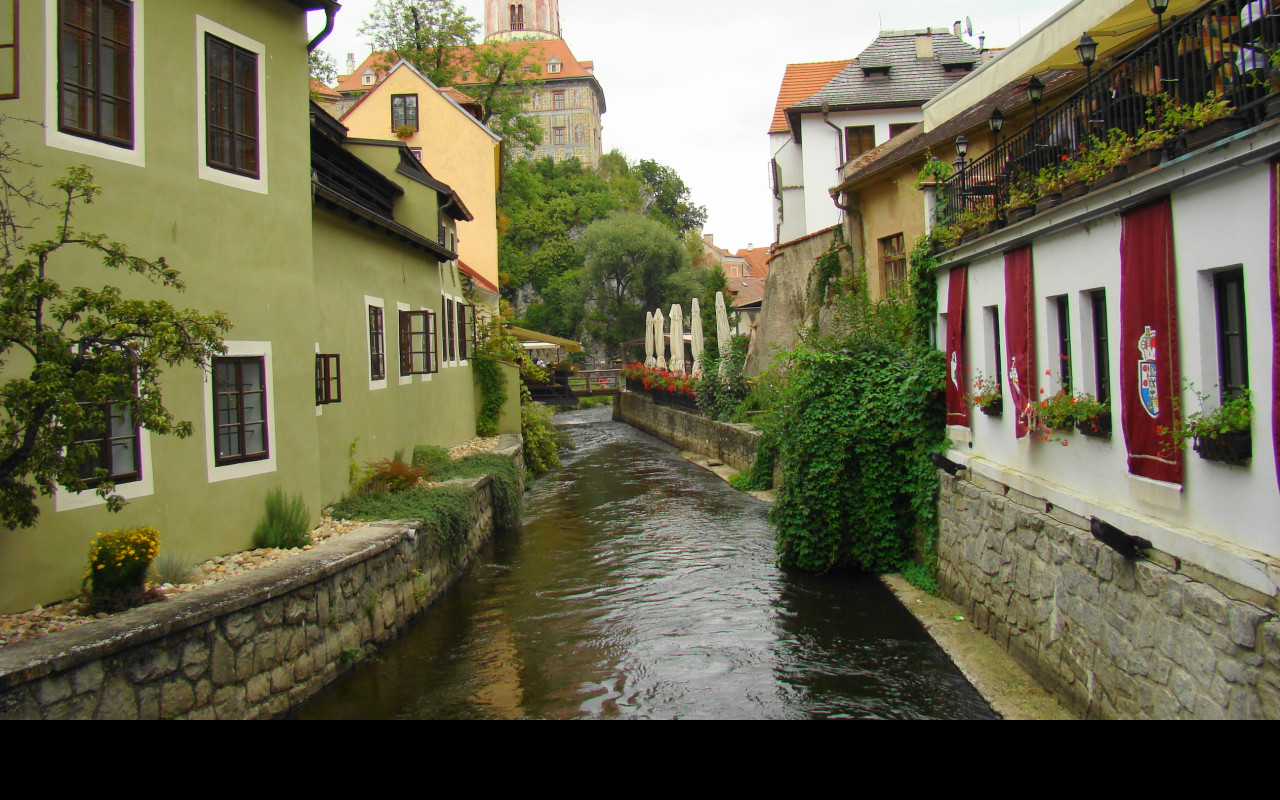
[461,98]
[540,52]
[321,90]
[799,82]
[378,62]
[758,259]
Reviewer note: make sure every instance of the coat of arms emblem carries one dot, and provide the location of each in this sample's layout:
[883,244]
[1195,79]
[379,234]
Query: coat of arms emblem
[1147,374]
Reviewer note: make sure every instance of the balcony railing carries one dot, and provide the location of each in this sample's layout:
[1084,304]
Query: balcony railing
[1224,51]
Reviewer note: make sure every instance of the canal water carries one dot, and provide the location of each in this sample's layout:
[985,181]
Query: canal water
[642,586]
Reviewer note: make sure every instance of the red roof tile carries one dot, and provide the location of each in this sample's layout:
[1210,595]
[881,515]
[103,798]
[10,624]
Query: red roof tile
[378,62]
[539,53]
[476,276]
[321,90]
[758,259]
[800,82]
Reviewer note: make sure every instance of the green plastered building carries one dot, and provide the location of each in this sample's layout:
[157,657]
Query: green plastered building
[334,258]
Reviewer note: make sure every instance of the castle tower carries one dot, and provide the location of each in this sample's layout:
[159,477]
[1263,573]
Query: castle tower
[521,20]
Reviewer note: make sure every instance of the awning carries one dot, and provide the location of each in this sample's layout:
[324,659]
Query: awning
[533,336]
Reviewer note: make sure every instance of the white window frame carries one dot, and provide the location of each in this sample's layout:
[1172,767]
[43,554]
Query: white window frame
[203,170]
[377,302]
[78,144]
[64,500]
[245,469]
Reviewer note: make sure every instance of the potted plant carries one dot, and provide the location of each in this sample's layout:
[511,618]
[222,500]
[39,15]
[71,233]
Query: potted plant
[1203,122]
[1148,148]
[1021,202]
[987,396]
[1107,159]
[1222,433]
[973,221]
[403,132]
[1049,183]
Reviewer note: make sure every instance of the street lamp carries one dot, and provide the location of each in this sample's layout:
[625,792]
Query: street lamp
[1087,49]
[996,122]
[962,146]
[1158,7]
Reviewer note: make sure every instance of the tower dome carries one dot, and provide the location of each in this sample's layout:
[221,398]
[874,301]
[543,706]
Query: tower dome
[521,20]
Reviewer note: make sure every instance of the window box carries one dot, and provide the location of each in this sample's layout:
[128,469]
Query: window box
[993,409]
[1020,213]
[1073,190]
[1048,201]
[1098,427]
[1116,174]
[1218,129]
[1234,447]
[1147,159]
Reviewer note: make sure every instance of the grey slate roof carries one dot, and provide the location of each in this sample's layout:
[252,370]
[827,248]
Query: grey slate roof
[911,80]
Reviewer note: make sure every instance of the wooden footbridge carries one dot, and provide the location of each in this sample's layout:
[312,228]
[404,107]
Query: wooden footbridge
[567,389]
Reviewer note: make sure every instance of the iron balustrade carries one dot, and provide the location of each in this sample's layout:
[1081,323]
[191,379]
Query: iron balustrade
[1222,50]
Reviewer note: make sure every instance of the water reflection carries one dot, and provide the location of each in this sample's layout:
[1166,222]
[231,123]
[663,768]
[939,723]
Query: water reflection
[643,587]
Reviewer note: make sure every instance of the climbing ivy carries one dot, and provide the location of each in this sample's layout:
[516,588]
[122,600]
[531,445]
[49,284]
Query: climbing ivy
[487,371]
[826,269]
[860,413]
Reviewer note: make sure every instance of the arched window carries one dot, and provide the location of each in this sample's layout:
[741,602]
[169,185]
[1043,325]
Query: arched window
[517,16]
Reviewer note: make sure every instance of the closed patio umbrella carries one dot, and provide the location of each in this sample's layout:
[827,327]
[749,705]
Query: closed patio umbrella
[660,334]
[677,338]
[649,360]
[695,322]
[723,334]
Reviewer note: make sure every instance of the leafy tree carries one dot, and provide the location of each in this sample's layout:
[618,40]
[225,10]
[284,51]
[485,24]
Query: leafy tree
[502,93]
[432,35]
[668,198]
[324,67]
[70,351]
[627,261]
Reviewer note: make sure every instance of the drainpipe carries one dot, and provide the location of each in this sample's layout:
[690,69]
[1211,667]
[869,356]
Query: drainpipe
[330,12]
[826,109]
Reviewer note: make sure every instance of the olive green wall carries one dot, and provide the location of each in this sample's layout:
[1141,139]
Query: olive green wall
[354,261]
[243,252]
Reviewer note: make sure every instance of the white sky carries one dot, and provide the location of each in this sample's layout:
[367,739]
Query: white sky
[693,84]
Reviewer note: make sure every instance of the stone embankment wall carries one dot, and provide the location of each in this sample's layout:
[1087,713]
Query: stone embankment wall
[1111,637]
[735,445]
[786,307]
[256,645]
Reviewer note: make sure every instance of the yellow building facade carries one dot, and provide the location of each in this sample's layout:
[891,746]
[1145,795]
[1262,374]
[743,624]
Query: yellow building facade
[451,143]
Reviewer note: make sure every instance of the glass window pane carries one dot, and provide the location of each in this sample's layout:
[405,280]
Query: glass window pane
[122,457]
[253,439]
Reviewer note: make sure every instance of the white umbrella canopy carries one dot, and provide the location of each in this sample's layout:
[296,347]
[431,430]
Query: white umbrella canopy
[699,344]
[659,334]
[649,360]
[723,334]
[677,338]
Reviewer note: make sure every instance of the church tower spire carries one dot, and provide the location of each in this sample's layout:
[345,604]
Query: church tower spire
[521,20]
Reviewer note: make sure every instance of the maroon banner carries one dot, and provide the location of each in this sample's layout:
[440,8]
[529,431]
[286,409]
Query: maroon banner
[1275,312]
[957,379]
[1149,379]
[1020,336]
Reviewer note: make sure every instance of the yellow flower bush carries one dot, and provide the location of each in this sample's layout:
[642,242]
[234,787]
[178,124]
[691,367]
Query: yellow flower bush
[119,561]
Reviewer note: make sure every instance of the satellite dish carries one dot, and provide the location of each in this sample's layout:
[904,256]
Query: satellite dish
[968,27]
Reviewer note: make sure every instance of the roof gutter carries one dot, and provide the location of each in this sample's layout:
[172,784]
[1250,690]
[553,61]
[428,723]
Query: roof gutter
[330,13]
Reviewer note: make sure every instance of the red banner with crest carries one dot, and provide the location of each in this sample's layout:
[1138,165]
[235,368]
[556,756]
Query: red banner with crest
[957,381]
[1149,379]
[1020,336]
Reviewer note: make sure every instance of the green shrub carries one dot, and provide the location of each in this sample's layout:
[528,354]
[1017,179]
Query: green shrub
[718,396]
[442,509]
[118,565]
[430,458]
[508,497]
[286,525]
[541,443]
[487,371]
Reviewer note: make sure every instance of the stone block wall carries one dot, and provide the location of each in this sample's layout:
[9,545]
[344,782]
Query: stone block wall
[735,445]
[1111,637]
[256,645]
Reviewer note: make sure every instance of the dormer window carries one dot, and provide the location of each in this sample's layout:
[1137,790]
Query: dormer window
[876,72]
[368,77]
[553,66]
[957,68]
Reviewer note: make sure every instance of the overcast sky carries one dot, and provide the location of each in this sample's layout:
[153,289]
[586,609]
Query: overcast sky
[692,84]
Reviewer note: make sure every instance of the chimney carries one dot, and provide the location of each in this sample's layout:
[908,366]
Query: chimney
[709,238]
[957,27]
[351,63]
[924,46]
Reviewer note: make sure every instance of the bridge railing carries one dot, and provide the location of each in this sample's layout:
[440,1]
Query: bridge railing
[596,382]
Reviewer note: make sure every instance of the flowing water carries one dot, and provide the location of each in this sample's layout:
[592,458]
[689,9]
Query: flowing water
[642,586]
